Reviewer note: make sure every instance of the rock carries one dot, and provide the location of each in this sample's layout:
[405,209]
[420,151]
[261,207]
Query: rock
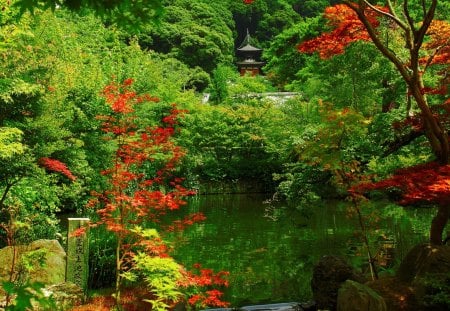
[424,259]
[328,275]
[65,295]
[54,262]
[353,296]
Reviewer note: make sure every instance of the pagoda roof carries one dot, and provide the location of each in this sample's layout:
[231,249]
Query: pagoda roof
[248,48]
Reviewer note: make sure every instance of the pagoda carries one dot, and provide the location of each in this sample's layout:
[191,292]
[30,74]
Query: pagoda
[248,56]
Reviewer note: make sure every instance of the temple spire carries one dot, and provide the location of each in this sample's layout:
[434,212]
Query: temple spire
[246,40]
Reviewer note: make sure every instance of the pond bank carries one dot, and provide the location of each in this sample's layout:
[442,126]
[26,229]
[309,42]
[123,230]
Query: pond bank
[237,186]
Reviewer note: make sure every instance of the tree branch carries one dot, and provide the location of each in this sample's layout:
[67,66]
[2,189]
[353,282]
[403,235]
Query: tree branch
[402,141]
[408,16]
[359,10]
[391,15]
[428,18]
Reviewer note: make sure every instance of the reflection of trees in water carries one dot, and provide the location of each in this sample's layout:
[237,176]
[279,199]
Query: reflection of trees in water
[270,259]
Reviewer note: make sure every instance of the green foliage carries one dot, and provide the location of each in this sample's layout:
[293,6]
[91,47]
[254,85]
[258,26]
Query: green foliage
[10,143]
[365,85]
[242,85]
[198,33]
[221,77]
[248,140]
[282,57]
[162,277]
[264,18]
[332,143]
[311,8]
[437,292]
[27,293]
[278,16]
[130,15]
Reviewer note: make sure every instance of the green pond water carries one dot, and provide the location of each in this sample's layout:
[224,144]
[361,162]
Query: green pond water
[270,251]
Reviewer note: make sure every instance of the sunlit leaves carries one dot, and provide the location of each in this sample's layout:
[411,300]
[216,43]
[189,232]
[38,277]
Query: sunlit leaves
[127,14]
[428,182]
[10,143]
[346,27]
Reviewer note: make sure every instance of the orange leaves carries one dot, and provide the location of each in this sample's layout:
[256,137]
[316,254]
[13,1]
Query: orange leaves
[143,186]
[346,29]
[134,193]
[439,32]
[439,39]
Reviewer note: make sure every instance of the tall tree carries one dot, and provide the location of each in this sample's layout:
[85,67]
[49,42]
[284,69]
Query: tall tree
[361,20]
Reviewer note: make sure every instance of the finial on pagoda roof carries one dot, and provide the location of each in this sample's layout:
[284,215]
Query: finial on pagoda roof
[246,44]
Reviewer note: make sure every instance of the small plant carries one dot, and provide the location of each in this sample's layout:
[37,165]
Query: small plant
[20,291]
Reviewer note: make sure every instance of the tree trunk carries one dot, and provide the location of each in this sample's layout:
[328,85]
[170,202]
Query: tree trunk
[438,224]
[434,130]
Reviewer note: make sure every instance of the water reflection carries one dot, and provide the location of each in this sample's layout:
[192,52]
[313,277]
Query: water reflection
[270,256]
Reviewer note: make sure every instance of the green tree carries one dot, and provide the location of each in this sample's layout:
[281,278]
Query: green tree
[282,59]
[198,33]
[362,20]
[127,14]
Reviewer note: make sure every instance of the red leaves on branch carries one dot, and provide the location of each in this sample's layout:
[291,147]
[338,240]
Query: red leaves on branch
[133,192]
[248,1]
[56,166]
[346,29]
[206,278]
[429,182]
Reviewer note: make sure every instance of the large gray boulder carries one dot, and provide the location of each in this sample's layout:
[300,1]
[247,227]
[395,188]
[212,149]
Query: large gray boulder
[353,296]
[48,252]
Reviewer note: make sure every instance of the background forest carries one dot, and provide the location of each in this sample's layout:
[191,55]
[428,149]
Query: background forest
[55,61]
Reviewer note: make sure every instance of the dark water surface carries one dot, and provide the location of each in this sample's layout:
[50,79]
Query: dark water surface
[270,251]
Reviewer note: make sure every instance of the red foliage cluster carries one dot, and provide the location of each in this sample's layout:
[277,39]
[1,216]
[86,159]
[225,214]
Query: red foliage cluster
[206,278]
[346,29]
[248,1]
[429,182]
[56,166]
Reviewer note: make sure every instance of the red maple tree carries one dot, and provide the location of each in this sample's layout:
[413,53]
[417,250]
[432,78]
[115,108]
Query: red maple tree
[360,20]
[143,181]
[427,43]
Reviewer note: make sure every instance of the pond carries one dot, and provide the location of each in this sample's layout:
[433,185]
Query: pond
[270,250]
